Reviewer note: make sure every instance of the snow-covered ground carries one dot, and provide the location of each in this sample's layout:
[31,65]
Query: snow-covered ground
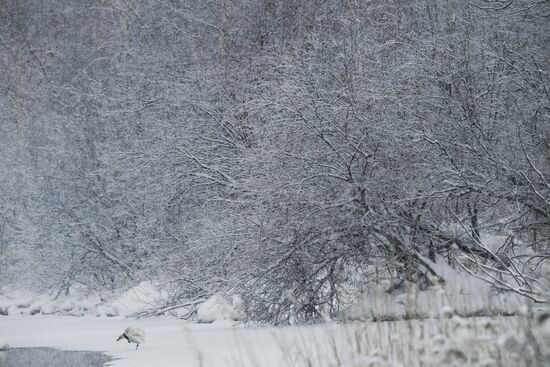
[169,342]
[172,342]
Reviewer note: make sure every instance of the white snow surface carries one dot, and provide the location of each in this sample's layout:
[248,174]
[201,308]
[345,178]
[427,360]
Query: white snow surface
[170,342]
[216,308]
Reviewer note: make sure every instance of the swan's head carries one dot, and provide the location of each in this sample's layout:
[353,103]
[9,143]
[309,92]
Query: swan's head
[121,336]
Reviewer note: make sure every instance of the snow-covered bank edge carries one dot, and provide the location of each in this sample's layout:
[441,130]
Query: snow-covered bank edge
[144,300]
[452,292]
[23,302]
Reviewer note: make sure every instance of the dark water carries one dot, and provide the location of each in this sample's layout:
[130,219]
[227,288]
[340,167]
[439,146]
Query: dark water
[49,357]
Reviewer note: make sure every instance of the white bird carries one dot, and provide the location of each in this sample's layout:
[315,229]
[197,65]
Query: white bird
[133,335]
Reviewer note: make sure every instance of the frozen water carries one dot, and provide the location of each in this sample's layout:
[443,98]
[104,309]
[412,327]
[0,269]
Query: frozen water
[48,357]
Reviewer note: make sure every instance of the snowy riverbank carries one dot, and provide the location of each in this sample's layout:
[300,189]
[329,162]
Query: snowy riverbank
[511,341]
[169,342]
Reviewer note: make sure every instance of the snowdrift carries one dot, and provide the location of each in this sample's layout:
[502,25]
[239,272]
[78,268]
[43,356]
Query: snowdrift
[144,296]
[462,294]
[218,308]
[21,302]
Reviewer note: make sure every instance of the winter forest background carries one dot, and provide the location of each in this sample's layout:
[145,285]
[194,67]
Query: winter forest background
[296,153]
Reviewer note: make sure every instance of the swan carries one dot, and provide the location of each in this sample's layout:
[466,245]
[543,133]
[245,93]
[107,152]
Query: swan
[133,335]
